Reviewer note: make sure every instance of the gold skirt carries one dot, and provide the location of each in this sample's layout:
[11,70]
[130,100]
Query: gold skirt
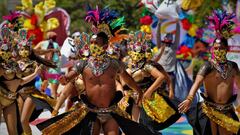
[157,108]
[221,119]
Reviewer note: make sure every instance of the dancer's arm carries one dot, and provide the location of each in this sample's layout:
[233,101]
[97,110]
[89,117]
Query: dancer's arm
[237,77]
[157,83]
[159,42]
[29,78]
[184,106]
[67,78]
[78,69]
[177,36]
[131,83]
[38,49]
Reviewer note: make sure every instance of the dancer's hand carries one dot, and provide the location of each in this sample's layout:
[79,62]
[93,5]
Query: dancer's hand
[44,85]
[38,69]
[147,95]
[63,80]
[184,106]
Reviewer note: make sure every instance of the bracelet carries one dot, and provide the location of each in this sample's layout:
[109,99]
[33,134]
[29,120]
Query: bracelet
[54,113]
[190,98]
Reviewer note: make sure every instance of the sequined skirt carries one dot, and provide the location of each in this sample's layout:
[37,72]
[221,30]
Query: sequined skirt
[158,113]
[80,120]
[222,115]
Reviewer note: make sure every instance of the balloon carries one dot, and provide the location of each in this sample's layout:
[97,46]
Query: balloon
[167,10]
[151,5]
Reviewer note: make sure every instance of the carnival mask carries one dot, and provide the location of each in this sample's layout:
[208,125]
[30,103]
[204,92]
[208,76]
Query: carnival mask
[220,55]
[136,56]
[24,52]
[97,50]
[5,55]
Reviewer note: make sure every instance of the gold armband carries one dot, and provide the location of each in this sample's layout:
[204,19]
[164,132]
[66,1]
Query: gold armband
[54,113]
[190,98]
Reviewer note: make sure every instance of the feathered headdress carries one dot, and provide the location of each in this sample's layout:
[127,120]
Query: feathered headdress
[107,21]
[222,23]
[140,41]
[12,16]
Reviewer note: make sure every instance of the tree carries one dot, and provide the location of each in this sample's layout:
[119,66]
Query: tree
[77,10]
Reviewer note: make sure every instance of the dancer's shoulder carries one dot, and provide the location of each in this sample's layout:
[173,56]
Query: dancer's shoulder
[205,69]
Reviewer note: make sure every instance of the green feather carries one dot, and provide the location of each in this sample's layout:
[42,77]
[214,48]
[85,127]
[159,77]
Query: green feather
[117,22]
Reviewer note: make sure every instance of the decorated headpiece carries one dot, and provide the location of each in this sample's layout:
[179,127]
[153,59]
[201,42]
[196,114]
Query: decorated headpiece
[107,21]
[13,20]
[140,41]
[83,47]
[139,46]
[222,23]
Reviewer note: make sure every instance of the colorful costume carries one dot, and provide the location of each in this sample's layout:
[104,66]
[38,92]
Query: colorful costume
[158,112]
[84,116]
[222,114]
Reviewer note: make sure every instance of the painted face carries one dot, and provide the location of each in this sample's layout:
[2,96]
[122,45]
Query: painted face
[219,53]
[24,52]
[97,50]
[136,56]
[5,52]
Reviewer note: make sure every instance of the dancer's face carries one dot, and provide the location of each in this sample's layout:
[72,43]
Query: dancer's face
[5,52]
[219,52]
[24,52]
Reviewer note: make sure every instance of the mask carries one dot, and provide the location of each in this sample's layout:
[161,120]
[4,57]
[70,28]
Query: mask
[96,50]
[5,55]
[136,56]
[219,55]
[24,53]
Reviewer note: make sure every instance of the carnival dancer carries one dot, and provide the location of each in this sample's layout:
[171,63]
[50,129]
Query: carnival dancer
[98,108]
[80,50]
[11,81]
[216,113]
[28,92]
[150,76]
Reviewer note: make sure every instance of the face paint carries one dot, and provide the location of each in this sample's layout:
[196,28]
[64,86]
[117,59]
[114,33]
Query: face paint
[219,54]
[136,56]
[24,53]
[5,55]
[96,50]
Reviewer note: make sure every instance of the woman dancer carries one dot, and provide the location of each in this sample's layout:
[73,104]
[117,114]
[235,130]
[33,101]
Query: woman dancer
[27,62]
[10,82]
[150,77]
